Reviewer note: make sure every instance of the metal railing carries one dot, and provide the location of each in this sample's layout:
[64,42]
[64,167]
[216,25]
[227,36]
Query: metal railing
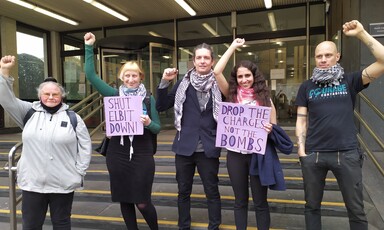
[86,108]
[369,129]
[13,200]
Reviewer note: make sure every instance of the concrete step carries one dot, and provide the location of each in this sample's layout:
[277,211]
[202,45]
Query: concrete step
[108,216]
[165,171]
[165,190]
[93,209]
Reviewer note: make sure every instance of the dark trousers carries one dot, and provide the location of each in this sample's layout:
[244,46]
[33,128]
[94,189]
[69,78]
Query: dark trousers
[35,205]
[208,168]
[238,169]
[346,166]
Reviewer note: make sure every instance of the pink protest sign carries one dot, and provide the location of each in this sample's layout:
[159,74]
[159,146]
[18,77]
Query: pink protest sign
[122,115]
[240,127]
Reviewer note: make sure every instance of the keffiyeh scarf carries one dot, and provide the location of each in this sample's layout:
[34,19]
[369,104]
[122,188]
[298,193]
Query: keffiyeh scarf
[202,83]
[328,77]
[125,91]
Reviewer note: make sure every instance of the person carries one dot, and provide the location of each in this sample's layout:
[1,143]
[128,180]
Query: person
[54,156]
[195,99]
[247,86]
[130,160]
[325,129]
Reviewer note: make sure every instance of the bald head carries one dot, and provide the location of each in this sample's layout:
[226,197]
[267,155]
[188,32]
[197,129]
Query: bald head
[326,55]
[326,45]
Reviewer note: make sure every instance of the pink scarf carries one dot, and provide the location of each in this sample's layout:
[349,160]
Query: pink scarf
[245,96]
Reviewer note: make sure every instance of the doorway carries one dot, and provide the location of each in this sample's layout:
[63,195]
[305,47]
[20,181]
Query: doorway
[283,64]
[152,54]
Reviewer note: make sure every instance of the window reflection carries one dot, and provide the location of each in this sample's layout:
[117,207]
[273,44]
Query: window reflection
[164,30]
[204,28]
[267,21]
[31,62]
[74,78]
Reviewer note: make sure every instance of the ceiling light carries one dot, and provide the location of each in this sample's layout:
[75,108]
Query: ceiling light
[110,56]
[279,43]
[186,7]
[44,11]
[54,15]
[107,9]
[268,4]
[210,29]
[186,51]
[21,3]
[272,21]
[154,34]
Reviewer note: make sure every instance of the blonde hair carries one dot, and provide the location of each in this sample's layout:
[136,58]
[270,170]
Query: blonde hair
[132,66]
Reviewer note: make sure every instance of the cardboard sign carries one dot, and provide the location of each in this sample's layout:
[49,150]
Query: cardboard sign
[122,115]
[240,127]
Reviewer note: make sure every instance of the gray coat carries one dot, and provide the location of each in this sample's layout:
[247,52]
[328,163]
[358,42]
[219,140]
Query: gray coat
[54,157]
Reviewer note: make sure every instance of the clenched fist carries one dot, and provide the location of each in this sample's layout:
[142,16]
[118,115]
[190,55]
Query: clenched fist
[89,38]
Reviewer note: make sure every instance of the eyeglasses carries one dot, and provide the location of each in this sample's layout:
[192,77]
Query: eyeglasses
[54,95]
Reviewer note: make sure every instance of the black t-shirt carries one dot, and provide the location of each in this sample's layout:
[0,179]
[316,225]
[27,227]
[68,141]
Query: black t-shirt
[330,113]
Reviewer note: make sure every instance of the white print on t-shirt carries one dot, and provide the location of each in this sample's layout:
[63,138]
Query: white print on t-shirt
[327,92]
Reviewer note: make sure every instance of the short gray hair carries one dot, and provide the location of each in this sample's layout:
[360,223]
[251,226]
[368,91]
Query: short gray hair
[62,90]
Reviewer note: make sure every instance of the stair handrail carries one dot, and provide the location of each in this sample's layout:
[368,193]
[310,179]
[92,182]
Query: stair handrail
[11,166]
[365,124]
[371,105]
[82,107]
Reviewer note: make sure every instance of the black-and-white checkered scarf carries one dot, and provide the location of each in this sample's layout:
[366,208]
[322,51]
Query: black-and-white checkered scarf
[202,83]
[328,77]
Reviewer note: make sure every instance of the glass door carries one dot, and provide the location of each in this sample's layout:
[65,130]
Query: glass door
[154,58]
[161,57]
[113,59]
[283,63]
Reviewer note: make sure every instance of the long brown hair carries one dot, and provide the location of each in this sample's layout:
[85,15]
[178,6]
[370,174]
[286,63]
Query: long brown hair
[262,92]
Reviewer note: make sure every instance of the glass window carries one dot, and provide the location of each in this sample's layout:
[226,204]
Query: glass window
[74,77]
[32,61]
[317,15]
[204,28]
[70,47]
[313,42]
[164,30]
[75,41]
[267,21]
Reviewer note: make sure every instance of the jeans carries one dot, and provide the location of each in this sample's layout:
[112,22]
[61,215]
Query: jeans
[208,168]
[35,205]
[238,169]
[346,166]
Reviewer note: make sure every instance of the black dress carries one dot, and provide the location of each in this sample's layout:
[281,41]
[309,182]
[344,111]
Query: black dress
[131,180]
